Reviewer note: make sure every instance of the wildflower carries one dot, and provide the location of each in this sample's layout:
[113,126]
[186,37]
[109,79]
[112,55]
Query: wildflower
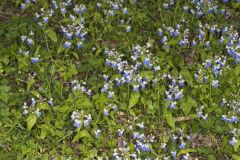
[45,19]
[77,123]
[35,59]
[23,38]
[105,112]
[23,6]
[215,83]
[207,44]
[128,29]
[97,133]
[173,105]
[185,157]
[233,142]
[38,113]
[120,132]
[79,45]
[67,44]
[63,10]
[182,145]
[140,125]
[160,32]
[234,119]
[174,154]
[50,102]
[110,95]
[135,88]
[125,11]
[194,43]
[166,6]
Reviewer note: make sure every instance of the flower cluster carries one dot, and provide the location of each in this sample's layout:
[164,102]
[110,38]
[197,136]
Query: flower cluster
[233,108]
[31,108]
[134,143]
[74,33]
[174,91]
[80,119]
[28,47]
[27,3]
[235,134]
[181,141]
[81,86]
[200,113]
[130,72]
[109,107]
[200,9]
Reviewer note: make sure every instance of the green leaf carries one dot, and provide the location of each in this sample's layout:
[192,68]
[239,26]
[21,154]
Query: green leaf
[236,157]
[211,157]
[44,131]
[4,97]
[237,146]
[133,99]
[169,118]
[31,120]
[30,84]
[184,151]
[81,134]
[62,109]
[237,70]
[4,88]
[52,35]
[187,76]
[44,106]
[147,74]
[187,106]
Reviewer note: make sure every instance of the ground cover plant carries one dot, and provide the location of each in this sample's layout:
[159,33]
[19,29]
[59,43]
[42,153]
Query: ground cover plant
[119,79]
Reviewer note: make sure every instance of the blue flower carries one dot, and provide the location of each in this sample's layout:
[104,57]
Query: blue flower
[182,145]
[174,154]
[166,6]
[234,119]
[97,133]
[233,142]
[77,123]
[173,105]
[181,83]
[23,6]
[224,118]
[35,59]
[136,135]
[128,29]
[38,113]
[29,41]
[164,40]
[67,44]
[215,83]
[221,40]
[105,112]
[207,44]
[69,36]
[45,19]
[120,132]
[79,45]
[147,62]
[160,32]
[23,38]
[125,11]
[207,64]
[135,88]
[63,10]
[86,122]
[194,43]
